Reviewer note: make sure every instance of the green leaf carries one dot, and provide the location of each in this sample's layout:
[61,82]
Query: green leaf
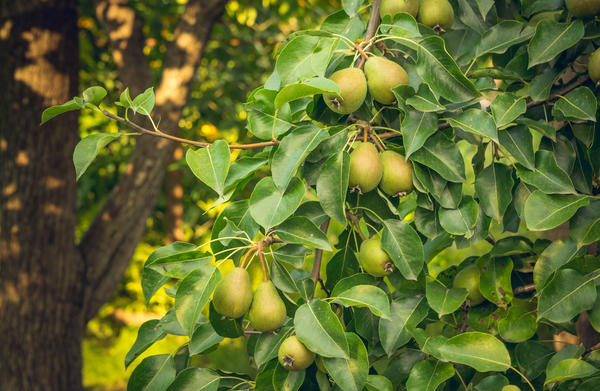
[241,169]
[204,338]
[444,300]
[285,380]
[552,38]
[406,313]
[428,375]
[502,36]
[481,351]
[519,324]
[180,264]
[417,127]
[544,212]
[267,346]
[350,373]
[332,184]
[375,299]
[585,225]
[195,379]
[443,156]
[291,254]
[495,284]
[282,278]
[460,221]
[547,176]
[144,102]
[53,111]
[579,104]
[225,327]
[193,294]
[88,148]
[210,164]
[477,122]
[292,151]
[270,207]
[517,140]
[304,56]
[300,230]
[125,99]
[93,94]
[351,6]
[148,334]
[310,87]
[154,373]
[566,295]
[557,254]
[531,358]
[424,100]
[264,121]
[320,330]
[570,369]
[507,107]
[493,185]
[378,383]
[402,243]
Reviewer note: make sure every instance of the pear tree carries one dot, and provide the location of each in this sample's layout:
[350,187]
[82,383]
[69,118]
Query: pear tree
[420,202]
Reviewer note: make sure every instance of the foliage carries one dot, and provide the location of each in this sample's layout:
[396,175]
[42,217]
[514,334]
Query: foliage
[498,122]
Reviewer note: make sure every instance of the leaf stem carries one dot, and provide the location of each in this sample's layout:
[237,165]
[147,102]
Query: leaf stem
[356,223]
[316,268]
[253,249]
[524,378]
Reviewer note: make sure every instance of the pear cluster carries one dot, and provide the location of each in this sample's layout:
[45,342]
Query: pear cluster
[233,298]
[389,170]
[437,14]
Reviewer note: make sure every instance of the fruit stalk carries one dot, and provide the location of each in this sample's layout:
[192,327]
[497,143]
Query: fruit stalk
[356,223]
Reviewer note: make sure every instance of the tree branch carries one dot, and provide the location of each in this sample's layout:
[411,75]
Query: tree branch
[371,28]
[316,268]
[579,82]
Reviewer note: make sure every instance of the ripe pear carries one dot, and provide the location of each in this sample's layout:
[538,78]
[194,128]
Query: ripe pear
[594,66]
[382,76]
[293,355]
[365,167]
[373,259]
[233,294]
[353,90]
[393,7]
[468,278]
[436,13]
[583,8]
[397,174]
[268,310]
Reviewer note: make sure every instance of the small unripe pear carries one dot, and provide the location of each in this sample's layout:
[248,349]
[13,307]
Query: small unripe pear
[365,167]
[594,66]
[233,294]
[436,13]
[511,387]
[373,259]
[583,8]
[397,174]
[393,7]
[383,75]
[353,90]
[268,310]
[468,278]
[293,355]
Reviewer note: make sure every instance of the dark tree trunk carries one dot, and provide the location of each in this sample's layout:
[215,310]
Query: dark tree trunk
[41,272]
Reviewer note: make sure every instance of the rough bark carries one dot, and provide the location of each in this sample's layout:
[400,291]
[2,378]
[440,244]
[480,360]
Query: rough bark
[111,239]
[41,323]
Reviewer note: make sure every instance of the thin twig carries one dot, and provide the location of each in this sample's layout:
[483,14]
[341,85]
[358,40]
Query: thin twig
[316,268]
[580,81]
[371,27]
[356,223]
[523,289]
[320,280]
[377,142]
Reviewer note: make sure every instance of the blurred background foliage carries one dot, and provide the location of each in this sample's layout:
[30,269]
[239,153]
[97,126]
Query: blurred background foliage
[238,59]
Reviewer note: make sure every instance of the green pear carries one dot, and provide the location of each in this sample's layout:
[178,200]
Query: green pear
[353,90]
[436,13]
[468,278]
[383,75]
[268,310]
[511,387]
[594,66]
[583,8]
[293,355]
[233,294]
[393,7]
[373,259]
[397,174]
[365,167]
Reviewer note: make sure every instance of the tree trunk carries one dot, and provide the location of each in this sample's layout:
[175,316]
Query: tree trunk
[42,273]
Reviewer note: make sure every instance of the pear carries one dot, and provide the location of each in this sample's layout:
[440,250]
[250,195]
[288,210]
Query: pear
[594,66]
[353,90]
[436,13]
[365,167]
[293,355]
[511,387]
[468,278]
[397,174]
[583,8]
[383,75]
[268,310]
[373,259]
[393,7]
[233,294]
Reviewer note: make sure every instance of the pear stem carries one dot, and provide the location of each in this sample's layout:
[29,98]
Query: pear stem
[356,223]
[253,249]
[377,142]
[259,250]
